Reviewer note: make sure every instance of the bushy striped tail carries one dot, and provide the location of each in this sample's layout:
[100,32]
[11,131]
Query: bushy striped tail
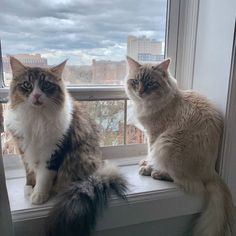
[77,209]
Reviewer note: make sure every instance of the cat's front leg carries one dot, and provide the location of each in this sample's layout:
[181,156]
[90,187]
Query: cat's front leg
[160,175]
[30,183]
[146,166]
[30,178]
[143,162]
[43,187]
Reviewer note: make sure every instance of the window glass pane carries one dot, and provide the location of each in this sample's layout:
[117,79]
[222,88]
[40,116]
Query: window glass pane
[109,116]
[95,36]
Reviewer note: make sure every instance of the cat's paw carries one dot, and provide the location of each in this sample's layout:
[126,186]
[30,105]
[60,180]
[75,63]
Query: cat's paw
[28,190]
[145,170]
[38,198]
[143,162]
[156,174]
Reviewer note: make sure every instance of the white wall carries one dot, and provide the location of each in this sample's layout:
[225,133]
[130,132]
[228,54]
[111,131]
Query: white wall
[214,48]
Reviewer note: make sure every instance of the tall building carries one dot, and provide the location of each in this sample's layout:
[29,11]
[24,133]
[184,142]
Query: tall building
[144,50]
[108,72]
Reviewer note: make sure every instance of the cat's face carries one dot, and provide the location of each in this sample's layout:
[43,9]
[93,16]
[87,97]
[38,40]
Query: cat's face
[37,87]
[145,82]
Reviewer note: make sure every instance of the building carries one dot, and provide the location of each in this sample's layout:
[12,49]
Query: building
[33,60]
[108,72]
[145,50]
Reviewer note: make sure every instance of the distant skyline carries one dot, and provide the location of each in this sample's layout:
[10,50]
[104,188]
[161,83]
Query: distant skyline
[80,30]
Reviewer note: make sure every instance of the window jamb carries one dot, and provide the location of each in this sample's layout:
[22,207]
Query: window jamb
[227,163]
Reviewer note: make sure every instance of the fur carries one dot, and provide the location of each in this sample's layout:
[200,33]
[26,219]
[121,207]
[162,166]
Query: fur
[59,146]
[184,132]
[77,207]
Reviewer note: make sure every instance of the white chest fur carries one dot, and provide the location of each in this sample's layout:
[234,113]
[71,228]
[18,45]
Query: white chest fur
[39,130]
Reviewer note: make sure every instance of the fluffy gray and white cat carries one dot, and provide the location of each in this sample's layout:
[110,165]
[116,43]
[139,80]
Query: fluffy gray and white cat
[59,146]
[184,132]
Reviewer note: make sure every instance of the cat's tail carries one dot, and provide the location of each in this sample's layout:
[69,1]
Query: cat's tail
[76,211]
[216,218]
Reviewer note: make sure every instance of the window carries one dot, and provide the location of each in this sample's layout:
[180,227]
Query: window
[95,42]
[146,30]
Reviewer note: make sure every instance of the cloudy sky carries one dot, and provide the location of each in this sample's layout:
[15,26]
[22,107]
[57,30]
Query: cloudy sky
[80,30]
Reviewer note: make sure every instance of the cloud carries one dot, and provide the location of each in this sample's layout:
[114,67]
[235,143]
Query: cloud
[79,29]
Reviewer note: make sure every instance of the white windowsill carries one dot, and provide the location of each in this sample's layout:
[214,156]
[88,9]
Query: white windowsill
[148,200]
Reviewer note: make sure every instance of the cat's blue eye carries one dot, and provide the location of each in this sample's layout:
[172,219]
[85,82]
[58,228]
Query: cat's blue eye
[26,85]
[47,85]
[150,84]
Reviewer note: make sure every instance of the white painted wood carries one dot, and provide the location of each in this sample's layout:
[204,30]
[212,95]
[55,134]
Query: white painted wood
[122,155]
[186,43]
[144,195]
[85,93]
[123,151]
[172,26]
[213,49]
[215,33]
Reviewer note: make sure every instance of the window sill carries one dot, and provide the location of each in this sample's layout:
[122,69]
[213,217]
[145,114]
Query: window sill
[145,195]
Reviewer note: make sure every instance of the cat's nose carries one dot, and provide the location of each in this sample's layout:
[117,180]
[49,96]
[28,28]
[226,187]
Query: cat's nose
[37,96]
[141,92]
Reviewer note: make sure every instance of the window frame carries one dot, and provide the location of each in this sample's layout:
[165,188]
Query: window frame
[179,34]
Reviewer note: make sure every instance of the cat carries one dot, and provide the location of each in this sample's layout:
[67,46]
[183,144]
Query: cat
[184,132]
[59,146]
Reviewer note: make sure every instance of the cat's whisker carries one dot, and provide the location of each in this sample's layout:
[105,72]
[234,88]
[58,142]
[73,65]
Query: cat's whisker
[57,101]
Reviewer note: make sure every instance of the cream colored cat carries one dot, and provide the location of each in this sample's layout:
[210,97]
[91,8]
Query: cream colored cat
[184,132]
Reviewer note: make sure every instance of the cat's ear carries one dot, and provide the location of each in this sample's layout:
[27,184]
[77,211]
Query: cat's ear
[17,67]
[133,65]
[164,65]
[57,70]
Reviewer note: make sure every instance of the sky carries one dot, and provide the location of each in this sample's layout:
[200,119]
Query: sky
[80,30]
